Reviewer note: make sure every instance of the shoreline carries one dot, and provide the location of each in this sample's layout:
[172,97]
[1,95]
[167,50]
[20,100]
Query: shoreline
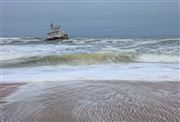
[103,100]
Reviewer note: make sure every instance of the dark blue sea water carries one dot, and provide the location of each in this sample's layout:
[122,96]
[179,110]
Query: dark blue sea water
[129,19]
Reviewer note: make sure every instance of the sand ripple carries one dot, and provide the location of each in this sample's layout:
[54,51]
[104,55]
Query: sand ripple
[95,101]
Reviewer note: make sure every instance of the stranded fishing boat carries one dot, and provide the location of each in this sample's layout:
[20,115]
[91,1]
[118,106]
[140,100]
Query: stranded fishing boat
[57,33]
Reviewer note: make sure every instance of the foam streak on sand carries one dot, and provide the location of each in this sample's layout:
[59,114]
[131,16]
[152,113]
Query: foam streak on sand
[95,101]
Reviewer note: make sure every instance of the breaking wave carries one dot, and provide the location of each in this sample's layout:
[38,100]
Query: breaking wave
[90,59]
[34,40]
[19,40]
[87,51]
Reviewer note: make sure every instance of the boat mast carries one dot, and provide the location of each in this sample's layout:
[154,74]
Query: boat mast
[52,27]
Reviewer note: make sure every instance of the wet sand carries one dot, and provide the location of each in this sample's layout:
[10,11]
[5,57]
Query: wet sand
[8,88]
[94,101]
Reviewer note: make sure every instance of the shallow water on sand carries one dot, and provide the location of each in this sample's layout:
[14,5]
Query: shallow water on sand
[94,101]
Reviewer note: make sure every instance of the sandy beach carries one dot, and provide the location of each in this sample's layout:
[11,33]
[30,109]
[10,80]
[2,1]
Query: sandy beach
[92,101]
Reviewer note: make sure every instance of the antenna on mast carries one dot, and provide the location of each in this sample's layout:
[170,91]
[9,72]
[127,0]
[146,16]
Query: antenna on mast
[51,24]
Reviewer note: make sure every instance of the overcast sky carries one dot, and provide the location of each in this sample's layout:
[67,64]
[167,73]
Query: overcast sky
[122,19]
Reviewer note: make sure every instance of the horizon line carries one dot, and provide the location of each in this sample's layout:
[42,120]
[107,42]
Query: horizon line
[88,1]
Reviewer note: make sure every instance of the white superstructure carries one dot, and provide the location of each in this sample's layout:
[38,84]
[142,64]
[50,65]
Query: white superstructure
[56,33]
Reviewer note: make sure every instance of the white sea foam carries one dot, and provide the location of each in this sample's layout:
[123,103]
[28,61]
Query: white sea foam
[134,72]
[157,58]
[32,59]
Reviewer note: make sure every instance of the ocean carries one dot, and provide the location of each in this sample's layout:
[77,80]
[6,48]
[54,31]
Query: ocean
[29,59]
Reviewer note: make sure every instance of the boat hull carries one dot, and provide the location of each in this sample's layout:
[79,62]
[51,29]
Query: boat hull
[64,37]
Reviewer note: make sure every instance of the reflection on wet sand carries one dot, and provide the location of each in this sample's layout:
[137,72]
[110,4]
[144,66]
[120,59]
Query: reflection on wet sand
[7,89]
[94,101]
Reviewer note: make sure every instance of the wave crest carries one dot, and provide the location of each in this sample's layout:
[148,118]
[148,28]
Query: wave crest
[90,58]
[71,59]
